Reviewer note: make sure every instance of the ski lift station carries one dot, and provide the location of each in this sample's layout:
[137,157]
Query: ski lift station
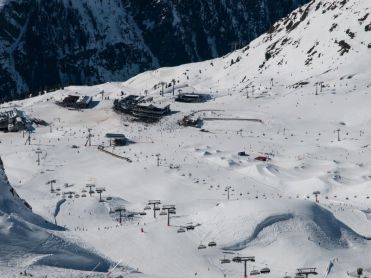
[75,101]
[192,98]
[13,120]
[116,139]
[141,108]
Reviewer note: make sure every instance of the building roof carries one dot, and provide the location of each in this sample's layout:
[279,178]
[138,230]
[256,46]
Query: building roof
[115,136]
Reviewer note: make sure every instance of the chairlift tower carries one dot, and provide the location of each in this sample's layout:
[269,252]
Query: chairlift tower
[155,204]
[227,189]
[28,140]
[51,182]
[307,271]
[90,186]
[338,132]
[38,152]
[158,159]
[100,190]
[173,81]
[170,210]
[244,260]
[120,210]
[316,193]
[88,141]
[162,88]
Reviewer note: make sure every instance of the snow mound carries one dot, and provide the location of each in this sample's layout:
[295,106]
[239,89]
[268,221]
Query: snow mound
[266,223]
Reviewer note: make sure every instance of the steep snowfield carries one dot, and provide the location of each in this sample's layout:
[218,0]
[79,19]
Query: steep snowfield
[271,213]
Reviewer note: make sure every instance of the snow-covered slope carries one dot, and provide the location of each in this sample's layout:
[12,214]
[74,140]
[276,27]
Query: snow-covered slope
[314,141]
[324,41]
[27,240]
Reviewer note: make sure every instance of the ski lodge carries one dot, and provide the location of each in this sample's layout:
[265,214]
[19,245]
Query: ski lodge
[78,102]
[192,98]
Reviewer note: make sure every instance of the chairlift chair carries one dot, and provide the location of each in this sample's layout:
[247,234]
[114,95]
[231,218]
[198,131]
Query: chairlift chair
[181,230]
[201,246]
[212,244]
[172,211]
[236,259]
[163,213]
[225,261]
[147,207]
[142,213]
[254,272]
[265,270]
[77,196]
[83,195]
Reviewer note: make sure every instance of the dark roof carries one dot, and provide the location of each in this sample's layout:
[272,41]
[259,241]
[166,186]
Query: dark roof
[115,136]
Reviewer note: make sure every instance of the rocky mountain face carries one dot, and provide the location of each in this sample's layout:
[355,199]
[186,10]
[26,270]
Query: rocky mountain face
[46,44]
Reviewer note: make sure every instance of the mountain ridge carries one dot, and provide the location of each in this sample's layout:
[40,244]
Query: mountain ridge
[51,44]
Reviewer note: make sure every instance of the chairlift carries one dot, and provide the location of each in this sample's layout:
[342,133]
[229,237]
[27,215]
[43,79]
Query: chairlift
[254,272]
[147,207]
[201,246]
[265,270]
[225,261]
[236,259]
[181,230]
[212,244]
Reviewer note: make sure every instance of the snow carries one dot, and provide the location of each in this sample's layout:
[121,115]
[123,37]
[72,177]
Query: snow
[271,214]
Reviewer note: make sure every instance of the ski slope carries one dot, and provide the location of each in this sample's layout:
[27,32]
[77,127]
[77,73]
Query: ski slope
[272,213]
